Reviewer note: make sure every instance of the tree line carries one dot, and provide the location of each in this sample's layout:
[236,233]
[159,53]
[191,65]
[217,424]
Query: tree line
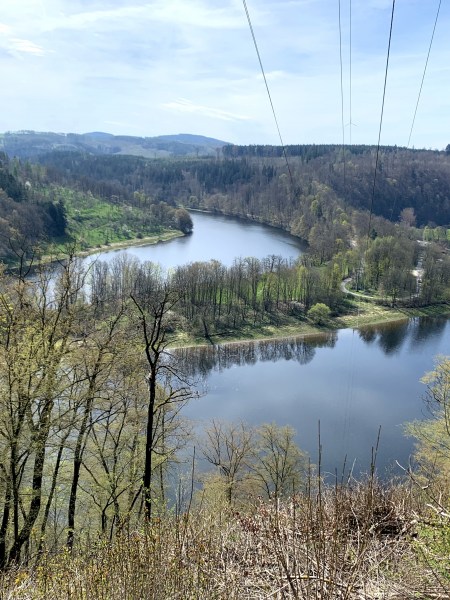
[255,181]
[214,299]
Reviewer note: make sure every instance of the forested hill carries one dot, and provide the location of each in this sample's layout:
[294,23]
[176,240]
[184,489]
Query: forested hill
[255,181]
[29,144]
[26,216]
[323,195]
[40,214]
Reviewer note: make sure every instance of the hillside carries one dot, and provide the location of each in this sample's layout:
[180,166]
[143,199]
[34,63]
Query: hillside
[254,181]
[40,215]
[29,144]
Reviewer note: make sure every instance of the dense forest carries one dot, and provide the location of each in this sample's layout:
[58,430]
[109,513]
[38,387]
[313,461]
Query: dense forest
[357,223]
[39,214]
[260,184]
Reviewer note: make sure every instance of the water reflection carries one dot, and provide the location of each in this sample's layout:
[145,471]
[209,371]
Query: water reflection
[357,383]
[425,327]
[202,360]
[391,337]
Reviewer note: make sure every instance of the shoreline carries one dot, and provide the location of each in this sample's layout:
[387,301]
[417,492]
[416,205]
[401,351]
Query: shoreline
[364,314]
[307,331]
[146,241]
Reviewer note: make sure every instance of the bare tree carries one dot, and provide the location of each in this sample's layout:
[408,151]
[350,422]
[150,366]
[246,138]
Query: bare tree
[229,448]
[167,387]
[36,340]
[98,357]
[278,464]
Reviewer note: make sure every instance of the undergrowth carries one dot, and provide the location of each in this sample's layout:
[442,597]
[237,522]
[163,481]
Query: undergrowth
[353,541]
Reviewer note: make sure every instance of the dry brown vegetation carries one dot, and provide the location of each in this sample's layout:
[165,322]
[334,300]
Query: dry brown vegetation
[353,541]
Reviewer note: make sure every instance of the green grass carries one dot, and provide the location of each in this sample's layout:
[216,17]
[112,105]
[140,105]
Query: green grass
[94,223]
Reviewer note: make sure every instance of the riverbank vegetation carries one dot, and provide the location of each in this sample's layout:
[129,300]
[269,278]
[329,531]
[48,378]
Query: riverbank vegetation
[261,298]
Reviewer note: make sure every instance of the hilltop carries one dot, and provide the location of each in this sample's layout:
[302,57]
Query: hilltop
[30,144]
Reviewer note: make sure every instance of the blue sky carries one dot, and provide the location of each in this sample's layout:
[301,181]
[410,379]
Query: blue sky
[154,67]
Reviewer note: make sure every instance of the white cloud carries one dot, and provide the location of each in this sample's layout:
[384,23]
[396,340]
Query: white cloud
[26,46]
[174,13]
[273,75]
[163,66]
[183,105]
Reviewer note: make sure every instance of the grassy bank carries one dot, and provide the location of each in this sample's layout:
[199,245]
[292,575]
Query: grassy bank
[360,314]
[59,252]
[94,223]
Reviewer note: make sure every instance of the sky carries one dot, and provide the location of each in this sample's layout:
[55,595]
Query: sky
[158,67]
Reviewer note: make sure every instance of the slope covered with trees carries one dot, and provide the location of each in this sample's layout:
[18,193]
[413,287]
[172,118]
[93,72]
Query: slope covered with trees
[38,212]
[255,181]
[357,223]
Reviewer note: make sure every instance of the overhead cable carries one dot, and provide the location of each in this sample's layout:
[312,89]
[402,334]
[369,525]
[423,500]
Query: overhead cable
[381,122]
[424,71]
[268,91]
[342,93]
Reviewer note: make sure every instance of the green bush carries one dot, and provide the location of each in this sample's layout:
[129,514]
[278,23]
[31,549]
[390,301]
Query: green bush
[319,313]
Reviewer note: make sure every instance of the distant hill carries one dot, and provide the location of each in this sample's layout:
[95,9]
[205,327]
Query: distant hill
[30,144]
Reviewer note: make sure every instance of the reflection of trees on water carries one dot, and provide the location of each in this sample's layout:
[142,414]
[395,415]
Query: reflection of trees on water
[202,360]
[392,336]
[367,334]
[389,336]
[423,328]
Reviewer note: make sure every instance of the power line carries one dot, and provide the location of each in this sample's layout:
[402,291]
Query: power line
[350,73]
[268,91]
[420,92]
[342,92]
[350,93]
[424,71]
[381,122]
[347,425]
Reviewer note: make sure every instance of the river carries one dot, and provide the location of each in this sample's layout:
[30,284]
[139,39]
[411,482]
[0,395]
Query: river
[352,382]
[215,237]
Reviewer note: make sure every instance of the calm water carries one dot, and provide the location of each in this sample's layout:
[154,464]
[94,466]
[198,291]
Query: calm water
[214,236]
[353,383]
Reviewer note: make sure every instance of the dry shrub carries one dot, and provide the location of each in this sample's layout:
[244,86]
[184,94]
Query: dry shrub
[340,542]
